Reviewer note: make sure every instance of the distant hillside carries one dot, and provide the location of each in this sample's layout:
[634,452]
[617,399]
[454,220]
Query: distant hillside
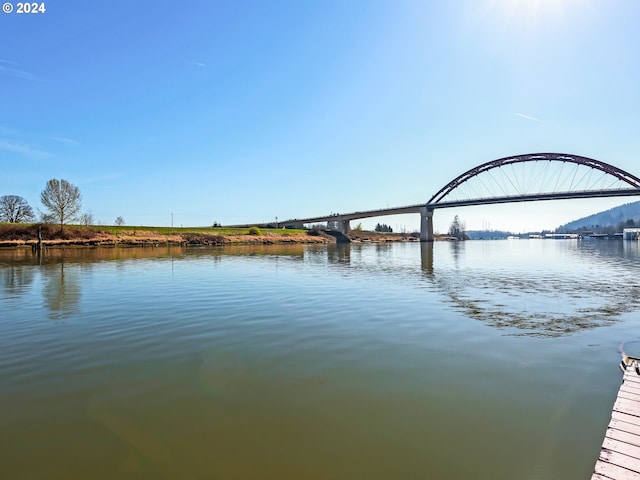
[609,218]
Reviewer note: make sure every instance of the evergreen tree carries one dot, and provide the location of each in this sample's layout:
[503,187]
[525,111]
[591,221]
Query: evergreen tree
[457,229]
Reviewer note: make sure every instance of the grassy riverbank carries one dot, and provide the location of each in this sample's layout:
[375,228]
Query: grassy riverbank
[12,235]
[16,235]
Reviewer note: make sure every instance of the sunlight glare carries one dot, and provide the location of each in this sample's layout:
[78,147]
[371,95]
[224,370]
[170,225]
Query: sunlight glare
[537,10]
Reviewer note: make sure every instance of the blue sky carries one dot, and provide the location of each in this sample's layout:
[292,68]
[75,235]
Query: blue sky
[241,111]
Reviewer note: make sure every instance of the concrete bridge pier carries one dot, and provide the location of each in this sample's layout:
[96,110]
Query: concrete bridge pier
[426,225]
[426,258]
[344,226]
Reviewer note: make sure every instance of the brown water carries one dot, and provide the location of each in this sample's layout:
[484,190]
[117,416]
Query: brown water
[481,360]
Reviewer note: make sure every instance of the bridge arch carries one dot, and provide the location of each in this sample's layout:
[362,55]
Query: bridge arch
[578,187]
[534,176]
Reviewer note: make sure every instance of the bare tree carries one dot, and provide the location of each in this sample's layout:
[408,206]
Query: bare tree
[63,200]
[15,209]
[86,219]
[119,221]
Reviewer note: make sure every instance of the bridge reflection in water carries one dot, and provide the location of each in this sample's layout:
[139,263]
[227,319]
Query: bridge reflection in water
[521,299]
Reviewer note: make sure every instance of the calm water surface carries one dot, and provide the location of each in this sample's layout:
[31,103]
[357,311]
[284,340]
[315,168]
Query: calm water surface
[483,360]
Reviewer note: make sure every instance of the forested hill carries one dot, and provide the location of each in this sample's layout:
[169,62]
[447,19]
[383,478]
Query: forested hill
[609,218]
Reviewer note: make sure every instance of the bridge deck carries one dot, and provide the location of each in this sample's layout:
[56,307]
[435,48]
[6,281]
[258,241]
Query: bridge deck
[620,454]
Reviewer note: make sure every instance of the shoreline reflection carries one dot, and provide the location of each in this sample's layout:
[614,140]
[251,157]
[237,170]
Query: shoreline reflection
[512,289]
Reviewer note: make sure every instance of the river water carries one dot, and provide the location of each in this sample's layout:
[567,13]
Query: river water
[484,360]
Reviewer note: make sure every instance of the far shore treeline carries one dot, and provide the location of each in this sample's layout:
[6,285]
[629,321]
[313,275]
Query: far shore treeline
[62,220]
[62,202]
[62,206]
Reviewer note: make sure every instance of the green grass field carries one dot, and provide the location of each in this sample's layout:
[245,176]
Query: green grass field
[115,230]
[9,228]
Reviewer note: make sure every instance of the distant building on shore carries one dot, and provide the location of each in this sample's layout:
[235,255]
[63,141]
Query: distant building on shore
[631,233]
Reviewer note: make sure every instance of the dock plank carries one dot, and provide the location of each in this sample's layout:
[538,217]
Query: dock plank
[632,419]
[629,394]
[631,376]
[620,459]
[620,453]
[624,448]
[614,472]
[617,424]
[624,436]
[631,388]
[629,407]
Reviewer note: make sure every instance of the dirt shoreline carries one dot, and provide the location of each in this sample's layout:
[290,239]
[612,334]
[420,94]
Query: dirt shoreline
[148,239]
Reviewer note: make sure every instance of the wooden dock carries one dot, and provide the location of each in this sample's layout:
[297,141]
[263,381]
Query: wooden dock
[620,454]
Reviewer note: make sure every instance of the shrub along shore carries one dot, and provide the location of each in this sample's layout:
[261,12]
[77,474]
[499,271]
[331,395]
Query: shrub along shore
[26,235]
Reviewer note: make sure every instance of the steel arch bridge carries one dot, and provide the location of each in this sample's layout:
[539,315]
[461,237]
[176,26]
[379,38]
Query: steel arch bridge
[513,178]
[520,178]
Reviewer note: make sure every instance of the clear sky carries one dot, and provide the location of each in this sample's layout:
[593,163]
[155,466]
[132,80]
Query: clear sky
[240,111]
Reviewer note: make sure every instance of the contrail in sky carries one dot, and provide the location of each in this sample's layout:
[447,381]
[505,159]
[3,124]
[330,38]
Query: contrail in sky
[66,141]
[23,149]
[528,117]
[11,69]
